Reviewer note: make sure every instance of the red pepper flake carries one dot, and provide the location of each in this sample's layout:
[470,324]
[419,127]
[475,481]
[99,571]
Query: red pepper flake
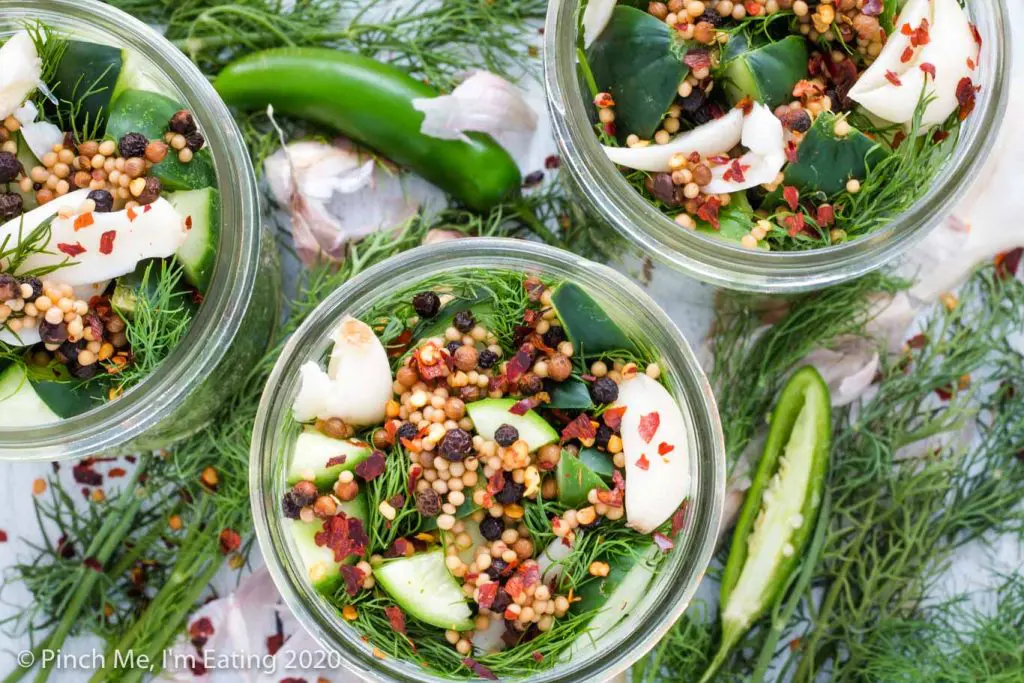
[906,30]
[792,196]
[907,55]
[735,172]
[71,250]
[3,536]
[399,548]
[898,139]
[93,564]
[83,221]
[479,669]
[939,135]
[791,152]
[609,128]
[83,473]
[487,593]
[665,448]
[617,494]
[643,463]
[400,345]
[754,9]
[976,33]
[229,541]
[746,104]
[970,64]
[336,460]
[603,100]
[518,366]
[537,656]
[107,242]
[648,426]
[372,467]
[146,208]
[944,393]
[200,630]
[1007,262]
[188,223]
[929,69]
[965,95]
[918,341]
[708,211]
[694,157]
[805,88]
[344,535]
[274,643]
[679,518]
[920,35]
[396,618]
[116,472]
[697,59]
[663,542]
[825,215]
[581,428]
[415,472]
[131,214]
[353,579]
[613,417]
[523,406]
[893,78]
[794,223]
[430,361]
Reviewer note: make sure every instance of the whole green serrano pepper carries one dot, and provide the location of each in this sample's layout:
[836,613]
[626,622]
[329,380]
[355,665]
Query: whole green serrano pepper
[780,510]
[371,103]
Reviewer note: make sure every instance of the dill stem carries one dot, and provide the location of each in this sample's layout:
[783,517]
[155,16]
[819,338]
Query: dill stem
[527,216]
[253,38]
[143,544]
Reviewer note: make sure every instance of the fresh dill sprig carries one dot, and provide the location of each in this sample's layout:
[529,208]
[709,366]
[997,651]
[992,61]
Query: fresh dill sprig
[50,45]
[13,256]
[682,655]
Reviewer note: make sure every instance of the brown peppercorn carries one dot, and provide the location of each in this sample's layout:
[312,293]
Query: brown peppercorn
[465,358]
[134,167]
[182,122]
[454,408]
[334,428]
[305,489]
[702,174]
[658,10]
[151,192]
[867,27]
[469,394]
[381,439]
[346,490]
[324,507]
[530,384]
[89,149]
[559,367]
[156,151]
[82,179]
[428,503]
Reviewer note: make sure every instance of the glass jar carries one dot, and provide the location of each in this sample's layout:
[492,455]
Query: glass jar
[237,318]
[631,309]
[725,264]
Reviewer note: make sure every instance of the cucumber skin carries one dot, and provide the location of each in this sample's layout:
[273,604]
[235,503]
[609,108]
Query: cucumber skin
[791,401]
[198,268]
[821,156]
[588,326]
[86,66]
[572,394]
[141,111]
[575,480]
[770,71]
[371,103]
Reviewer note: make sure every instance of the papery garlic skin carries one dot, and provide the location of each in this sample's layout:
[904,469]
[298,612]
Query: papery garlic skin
[20,72]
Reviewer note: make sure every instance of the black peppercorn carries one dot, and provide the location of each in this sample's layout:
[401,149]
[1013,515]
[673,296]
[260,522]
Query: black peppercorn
[10,167]
[132,145]
[11,205]
[104,200]
[68,351]
[427,304]
[491,528]
[79,371]
[486,359]
[604,434]
[455,445]
[37,287]
[495,570]
[428,502]
[182,122]
[555,336]
[10,288]
[797,120]
[694,101]
[195,141]
[151,192]
[506,435]
[604,390]
[511,492]
[53,334]
[710,16]
[407,430]
[289,506]
[453,347]
[464,321]
[299,496]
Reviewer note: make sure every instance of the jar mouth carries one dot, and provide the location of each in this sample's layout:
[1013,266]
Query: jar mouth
[218,319]
[731,266]
[672,588]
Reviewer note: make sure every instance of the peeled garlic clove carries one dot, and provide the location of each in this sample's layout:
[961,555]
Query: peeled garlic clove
[595,17]
[22,69]
[654,443]
[361,373]
[763,137]
[714,137]
[891,56]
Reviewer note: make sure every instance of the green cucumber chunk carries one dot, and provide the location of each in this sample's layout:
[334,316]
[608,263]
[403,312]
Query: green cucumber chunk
[318,561]
[313,450]
[572,394]
[575,480]
[20,403]
[141,111]
[781,505]
[491,413]
[84,82]
[589,328]
[422,586]
[826,162]
[483,313]
[766,72]
[146,277]
[198,254]
[639,60]
[734,221]
[599,462]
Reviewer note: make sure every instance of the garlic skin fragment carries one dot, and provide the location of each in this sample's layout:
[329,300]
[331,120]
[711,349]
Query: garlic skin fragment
[357,384]
[951,45]
[714,137]
[20,74]
[654,491]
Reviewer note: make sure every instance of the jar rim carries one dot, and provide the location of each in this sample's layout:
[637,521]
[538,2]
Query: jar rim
[723,264]
[215,325]
[670,591]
